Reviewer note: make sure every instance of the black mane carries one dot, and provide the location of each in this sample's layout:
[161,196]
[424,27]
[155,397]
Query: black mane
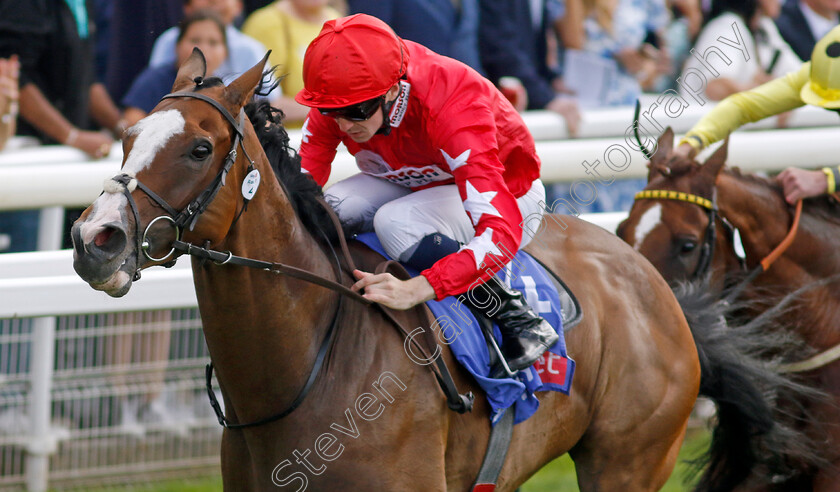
[304,193]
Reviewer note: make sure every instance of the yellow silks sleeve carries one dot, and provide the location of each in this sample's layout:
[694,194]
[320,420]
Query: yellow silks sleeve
[770,99]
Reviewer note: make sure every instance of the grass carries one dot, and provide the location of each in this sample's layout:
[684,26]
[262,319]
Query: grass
[557,476]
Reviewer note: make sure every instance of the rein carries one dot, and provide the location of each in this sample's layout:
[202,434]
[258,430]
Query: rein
[186,219]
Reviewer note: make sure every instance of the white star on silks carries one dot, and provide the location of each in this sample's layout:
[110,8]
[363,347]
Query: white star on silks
[305,131]
[458,161]
[478,204]
[481,246]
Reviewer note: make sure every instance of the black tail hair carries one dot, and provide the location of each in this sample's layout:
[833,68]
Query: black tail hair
[756,433]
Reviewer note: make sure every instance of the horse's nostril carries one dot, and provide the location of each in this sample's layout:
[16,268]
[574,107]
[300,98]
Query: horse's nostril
[110,241]
[103,236]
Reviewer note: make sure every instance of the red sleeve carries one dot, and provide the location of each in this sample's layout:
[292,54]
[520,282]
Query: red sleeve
[318,145]
[472,155]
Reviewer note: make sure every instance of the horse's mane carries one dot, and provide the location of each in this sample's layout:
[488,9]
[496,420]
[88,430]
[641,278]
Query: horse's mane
[304,193]
[824,207]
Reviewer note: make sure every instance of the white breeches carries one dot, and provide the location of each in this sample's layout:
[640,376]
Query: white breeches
[401,217]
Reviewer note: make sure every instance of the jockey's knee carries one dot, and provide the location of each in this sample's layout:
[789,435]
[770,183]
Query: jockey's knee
[410,240]
[354,211]
[396,230]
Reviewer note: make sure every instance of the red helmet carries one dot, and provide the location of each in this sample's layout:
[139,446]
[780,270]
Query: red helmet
[353,59]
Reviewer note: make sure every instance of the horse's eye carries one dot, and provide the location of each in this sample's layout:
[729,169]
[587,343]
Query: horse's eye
[687,246]
[200,152]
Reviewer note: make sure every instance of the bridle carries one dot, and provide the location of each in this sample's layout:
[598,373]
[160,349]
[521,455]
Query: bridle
[707,249]
[186,219]
[709,242]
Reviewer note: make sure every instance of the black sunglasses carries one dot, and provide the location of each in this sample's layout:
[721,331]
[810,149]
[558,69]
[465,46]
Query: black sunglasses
[357,112]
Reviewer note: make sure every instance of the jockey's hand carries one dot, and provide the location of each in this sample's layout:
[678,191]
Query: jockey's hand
[685,150]
[800,183]
[392,292]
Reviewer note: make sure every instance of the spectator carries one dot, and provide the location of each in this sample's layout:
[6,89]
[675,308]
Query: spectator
[58,91]
[680,35]
[447,27]
[616,36]
[243,51]
[14,233]
[770,55]
[802,22]
[138,25]
[514,53]
[286,27]
[9,74]
[202,29]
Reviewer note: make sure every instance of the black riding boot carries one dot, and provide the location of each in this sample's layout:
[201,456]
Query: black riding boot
[525,335]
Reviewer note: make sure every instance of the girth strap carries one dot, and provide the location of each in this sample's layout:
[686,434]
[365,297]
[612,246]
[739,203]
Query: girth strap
[494,457]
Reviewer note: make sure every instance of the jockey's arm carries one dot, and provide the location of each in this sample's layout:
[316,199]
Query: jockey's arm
[318,147]
[774,97]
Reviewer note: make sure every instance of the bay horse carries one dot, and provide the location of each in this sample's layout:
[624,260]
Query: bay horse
[705,220]
[371,419]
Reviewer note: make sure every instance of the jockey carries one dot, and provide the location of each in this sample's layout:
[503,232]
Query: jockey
[449,170]
[817,83]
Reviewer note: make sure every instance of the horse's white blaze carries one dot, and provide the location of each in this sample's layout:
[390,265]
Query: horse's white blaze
[647,222]
[153,132]
[106,210]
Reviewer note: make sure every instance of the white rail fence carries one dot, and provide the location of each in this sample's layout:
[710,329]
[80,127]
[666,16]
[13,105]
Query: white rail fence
[95,390]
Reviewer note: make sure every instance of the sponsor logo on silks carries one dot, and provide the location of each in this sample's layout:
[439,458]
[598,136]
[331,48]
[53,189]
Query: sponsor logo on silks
[400,105]
[370,162]
[413,177]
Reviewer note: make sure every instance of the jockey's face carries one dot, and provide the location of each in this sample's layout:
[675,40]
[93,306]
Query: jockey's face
[362,131]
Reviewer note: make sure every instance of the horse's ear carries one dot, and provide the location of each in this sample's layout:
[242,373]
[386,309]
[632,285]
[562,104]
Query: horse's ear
[239,91]
[658,162]
[195,66]
[717,160]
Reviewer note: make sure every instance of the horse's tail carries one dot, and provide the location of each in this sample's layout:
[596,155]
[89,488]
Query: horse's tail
[738,373]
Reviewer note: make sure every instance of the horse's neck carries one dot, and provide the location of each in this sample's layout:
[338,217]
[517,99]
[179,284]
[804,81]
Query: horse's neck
[764,220]
[757,212]
[263,329]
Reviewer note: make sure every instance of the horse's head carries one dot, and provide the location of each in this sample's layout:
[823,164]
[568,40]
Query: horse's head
[673,222]
[171,186]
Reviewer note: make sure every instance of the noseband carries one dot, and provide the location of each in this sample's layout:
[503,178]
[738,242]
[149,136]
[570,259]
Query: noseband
[187,217]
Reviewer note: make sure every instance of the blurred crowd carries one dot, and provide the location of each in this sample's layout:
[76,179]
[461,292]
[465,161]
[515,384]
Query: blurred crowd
[79,72]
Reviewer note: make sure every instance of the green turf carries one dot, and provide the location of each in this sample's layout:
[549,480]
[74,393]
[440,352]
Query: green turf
[557,476]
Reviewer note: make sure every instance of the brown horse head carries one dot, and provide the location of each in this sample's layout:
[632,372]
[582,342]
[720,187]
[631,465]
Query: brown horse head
[182,147]
[671,228]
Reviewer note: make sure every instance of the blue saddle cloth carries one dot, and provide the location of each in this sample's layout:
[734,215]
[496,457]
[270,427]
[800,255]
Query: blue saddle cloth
[554,370]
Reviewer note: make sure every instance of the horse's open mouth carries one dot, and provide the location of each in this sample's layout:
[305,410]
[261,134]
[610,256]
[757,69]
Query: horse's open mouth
[118,284]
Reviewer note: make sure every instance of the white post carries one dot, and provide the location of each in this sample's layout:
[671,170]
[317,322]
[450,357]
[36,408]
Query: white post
[50,228]
[42,443]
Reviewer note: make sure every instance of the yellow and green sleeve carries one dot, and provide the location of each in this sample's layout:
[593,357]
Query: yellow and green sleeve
[774,97]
